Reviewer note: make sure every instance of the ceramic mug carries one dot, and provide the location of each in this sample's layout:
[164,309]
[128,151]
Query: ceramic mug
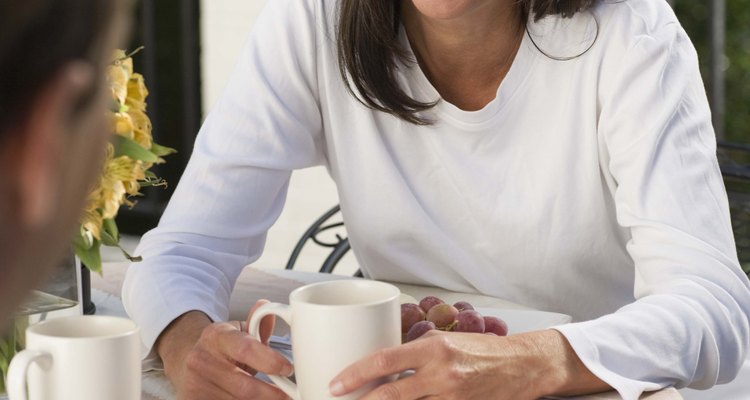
[78,358]
[334,324]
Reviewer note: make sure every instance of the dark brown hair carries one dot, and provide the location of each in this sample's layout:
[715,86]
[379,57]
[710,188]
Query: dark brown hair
[368,50]
[37,37]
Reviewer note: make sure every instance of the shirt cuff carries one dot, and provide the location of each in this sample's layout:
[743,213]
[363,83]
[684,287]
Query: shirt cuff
[588,353]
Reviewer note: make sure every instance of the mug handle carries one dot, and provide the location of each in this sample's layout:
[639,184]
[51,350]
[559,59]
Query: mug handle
[284,312]
[19,367]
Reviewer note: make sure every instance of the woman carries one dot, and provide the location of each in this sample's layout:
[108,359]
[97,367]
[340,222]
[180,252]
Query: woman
[558,154]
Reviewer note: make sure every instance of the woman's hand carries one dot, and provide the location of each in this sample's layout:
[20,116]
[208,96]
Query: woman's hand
[473,366]
[221,362]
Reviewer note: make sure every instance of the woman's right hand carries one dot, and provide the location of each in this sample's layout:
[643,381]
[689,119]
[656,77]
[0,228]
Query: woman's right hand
[207,360]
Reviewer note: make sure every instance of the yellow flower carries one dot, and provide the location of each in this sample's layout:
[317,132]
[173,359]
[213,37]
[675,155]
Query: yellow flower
[118,81]
[121,176]
[137,92]
[141,128]
[92,222]
[132,188]
[124,61]
[123,124]
[92,217]
[112,198]
[118,75]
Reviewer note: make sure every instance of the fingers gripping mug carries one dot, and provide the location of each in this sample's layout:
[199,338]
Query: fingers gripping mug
[78,358]
[334,324]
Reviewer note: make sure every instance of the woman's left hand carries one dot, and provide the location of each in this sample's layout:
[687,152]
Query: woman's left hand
[452,365]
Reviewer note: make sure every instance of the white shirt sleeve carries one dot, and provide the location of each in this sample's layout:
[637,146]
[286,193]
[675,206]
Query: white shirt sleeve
[689,324]
[266,124]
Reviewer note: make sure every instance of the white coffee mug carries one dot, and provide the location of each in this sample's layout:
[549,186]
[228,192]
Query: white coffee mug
[334,324]
[78,358]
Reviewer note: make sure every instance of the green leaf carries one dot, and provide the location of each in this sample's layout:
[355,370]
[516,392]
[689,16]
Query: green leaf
[7,346]
[79,241]
[108,239]
[21,324]
[90,257]
[151,175]
[110,233]
[162,151]
[84,238]
[128,147]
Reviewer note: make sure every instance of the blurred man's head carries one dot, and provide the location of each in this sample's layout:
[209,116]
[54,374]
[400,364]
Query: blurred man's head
[53,128]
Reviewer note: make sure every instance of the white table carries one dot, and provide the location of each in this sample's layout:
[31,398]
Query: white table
[275,285]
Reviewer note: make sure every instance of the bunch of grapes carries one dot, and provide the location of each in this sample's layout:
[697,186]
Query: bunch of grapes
[433,313]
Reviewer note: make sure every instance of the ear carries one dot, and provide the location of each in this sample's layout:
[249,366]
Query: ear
[42,136]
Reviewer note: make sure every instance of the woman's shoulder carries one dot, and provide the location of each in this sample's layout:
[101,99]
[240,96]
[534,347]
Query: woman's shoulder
[631,20]
[606,31]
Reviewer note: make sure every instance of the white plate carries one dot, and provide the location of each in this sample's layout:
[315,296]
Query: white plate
[405,298]
[520,321]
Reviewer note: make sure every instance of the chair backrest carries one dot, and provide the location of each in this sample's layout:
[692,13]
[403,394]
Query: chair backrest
[339,245]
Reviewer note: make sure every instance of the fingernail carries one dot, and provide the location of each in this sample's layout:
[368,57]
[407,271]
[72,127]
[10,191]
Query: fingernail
[287,370]
[337,388]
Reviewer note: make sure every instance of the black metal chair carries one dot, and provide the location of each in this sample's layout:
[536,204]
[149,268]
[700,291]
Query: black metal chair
[339,244]
[734,160]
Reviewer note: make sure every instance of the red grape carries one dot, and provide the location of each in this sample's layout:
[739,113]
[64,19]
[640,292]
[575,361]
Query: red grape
[469,321]
[442,315]
[419,329]
[463,305]
[433,313]
[428,302]
[410,315]
[495,325]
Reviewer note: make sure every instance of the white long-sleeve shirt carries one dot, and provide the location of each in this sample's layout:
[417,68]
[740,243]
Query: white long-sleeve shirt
[588,187]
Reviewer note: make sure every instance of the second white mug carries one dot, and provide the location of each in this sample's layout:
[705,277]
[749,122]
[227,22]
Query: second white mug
[334,324]
[78,358]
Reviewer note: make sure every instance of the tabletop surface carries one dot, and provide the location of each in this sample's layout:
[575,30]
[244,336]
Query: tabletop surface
[275,285]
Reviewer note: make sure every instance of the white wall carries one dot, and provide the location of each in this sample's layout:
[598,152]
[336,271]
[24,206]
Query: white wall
[224,27]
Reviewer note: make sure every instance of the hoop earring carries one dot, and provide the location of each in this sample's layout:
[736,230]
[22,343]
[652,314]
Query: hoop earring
[596,37]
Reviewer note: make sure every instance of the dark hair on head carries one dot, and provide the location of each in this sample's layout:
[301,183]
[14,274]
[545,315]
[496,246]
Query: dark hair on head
[37,37]
[368,50]
[563,8]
